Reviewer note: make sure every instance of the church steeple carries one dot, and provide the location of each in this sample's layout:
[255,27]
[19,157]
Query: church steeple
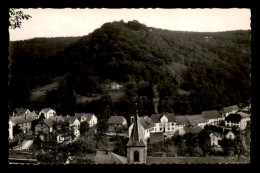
[136,146]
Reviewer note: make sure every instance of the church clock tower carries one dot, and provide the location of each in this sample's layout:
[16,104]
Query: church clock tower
[137,145]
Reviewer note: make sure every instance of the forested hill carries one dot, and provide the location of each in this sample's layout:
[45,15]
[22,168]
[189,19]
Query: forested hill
[181,72]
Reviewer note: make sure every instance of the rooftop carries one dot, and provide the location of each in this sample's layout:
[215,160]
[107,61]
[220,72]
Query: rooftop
[230,109]
[116,120]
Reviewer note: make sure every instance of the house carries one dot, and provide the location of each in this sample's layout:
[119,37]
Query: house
[116,123]
[115,86]
[245,119]
[214,138]
[24,121]
[90,118]
[237,120]
[44,126]
[20,111]
[47,112]
[74,124]
[164,123]
[212,117]
[147,126]
[217,133]
[193,129]
[181,122]
[10,129]
[197,120]
[137,144]
[230,110]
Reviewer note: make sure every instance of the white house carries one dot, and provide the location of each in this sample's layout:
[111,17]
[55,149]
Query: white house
[214,138]
[10,129]
[90,118]
[164,123]
[47,112]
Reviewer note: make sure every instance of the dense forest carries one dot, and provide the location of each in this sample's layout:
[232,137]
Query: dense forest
[161,70]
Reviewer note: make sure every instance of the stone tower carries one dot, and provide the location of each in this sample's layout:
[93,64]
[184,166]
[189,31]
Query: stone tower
[137,145]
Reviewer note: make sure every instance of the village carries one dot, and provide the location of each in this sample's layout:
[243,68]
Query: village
[139,140]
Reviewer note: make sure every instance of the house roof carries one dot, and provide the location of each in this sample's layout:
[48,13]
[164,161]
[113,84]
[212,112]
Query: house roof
[116,120]
[146,122]
[218,131]
[243,114]
[46,110]
[181,120]
[21,119]
[234,117]
[110,158]
[230,108]
[196,119]
[156,118]
[36,111]
[136,138]
[211,114]
[87,115]
[194,130]
[70,119]
[20,111]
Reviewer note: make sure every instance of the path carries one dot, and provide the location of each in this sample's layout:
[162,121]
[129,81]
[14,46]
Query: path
[25,145]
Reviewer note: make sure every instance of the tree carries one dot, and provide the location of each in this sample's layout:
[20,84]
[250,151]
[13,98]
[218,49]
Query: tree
[16,130]
[15,18]
[84,127]
[204,141]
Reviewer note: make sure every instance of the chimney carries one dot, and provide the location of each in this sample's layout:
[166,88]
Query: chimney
[106,151]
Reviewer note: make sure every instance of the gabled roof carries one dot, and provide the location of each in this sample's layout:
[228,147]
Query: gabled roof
[146,122]
[116,120]
[36,111]
[136,138]
[230,109]
[70,119]
[87,115]
[194,130]
[182,120]
[211,114]
[171,117]
[156,118]
[244,115]
[46,110]
[234,117]
[20,111]
[21,119]
[196,119]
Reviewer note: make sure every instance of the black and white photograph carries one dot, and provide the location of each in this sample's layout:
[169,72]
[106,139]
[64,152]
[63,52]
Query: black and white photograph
[129,86]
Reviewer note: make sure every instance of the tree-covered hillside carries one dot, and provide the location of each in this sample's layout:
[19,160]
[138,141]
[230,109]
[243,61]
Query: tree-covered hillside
[173,71]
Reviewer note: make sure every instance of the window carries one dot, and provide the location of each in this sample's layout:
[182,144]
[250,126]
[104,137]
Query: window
[168,128]
[136,156]
[172,124]
[160,129]
[172,128]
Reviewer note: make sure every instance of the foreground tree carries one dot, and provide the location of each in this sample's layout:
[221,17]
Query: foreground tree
[204,141]
[15,18]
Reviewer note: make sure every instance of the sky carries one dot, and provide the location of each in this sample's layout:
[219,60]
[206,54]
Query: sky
[80,22]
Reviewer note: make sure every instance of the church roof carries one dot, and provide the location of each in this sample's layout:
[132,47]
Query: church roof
[137,138]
